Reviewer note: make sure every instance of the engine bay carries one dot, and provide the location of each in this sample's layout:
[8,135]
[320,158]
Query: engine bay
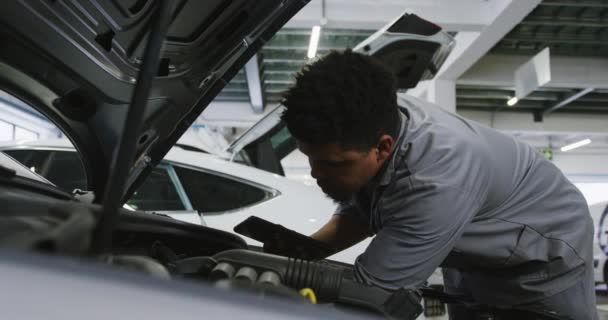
[38,218]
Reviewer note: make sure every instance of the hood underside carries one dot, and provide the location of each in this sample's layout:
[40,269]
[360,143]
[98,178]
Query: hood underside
[77,61]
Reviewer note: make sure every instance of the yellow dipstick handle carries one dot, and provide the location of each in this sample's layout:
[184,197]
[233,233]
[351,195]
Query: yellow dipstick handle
[310,294]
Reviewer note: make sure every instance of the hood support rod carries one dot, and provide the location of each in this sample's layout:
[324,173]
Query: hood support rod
[123,157]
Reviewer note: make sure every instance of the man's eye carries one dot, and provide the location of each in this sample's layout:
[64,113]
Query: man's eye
[335,163]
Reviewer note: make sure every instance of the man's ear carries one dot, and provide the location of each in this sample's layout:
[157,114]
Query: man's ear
[385,147]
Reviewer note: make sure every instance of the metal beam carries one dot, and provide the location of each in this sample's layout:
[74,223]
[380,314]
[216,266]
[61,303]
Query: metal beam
[285,82]
[586,4]
[462,15]
[234,90]
[556,122]
[472,46]
[564,22]
[291,61]
[558,50]
[281,72]
[495,93]
[254,84]
[298,47]
[443,93]
[498,103]
[557,40]
[305,32]
[566,72]
[230,114]
[568,100]
[476,46]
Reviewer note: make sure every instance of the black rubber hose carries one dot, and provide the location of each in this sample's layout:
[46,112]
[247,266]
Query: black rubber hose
[329,282]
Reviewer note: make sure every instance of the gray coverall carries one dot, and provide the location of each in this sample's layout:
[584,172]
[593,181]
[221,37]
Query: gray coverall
[505,224]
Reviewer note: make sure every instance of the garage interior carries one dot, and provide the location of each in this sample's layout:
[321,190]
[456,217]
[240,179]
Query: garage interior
[479,80]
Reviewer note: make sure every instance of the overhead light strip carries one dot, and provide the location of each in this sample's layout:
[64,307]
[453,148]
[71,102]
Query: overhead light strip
[314,42]
[575,145]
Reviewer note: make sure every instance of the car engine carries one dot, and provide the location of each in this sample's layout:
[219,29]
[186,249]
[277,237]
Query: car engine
[37,217]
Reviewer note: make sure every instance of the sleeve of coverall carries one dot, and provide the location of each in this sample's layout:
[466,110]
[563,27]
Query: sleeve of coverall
[420,228]
[347,208]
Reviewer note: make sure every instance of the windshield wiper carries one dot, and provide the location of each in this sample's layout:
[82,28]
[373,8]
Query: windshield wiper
[6,172]
[123,157]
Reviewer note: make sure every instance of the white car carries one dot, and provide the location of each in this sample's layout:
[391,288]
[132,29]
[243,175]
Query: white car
[198,188]
[599,211]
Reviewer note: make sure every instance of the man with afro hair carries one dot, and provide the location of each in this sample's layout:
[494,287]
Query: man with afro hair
[436,189]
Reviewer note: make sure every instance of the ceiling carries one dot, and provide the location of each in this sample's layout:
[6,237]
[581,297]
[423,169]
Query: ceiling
[539,101]
[567,27]
[571,28]
[283,56]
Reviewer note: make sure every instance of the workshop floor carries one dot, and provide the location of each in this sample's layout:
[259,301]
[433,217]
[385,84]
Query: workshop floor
[602,308]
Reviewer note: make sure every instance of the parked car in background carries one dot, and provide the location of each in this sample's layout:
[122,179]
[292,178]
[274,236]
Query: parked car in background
[599,211]
[199,188]
[191,186]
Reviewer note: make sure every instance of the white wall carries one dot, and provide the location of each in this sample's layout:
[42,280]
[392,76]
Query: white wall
[583,167]
[589,172]
[594,192]
[16,124]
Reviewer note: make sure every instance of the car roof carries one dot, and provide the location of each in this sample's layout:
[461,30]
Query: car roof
[194,159]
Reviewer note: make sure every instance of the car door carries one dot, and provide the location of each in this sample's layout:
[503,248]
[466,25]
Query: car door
[223,200]
[264,144]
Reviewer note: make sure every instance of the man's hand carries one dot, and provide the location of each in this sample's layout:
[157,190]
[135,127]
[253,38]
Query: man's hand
[342,232]
[292,244]
[277,246]
[339,233]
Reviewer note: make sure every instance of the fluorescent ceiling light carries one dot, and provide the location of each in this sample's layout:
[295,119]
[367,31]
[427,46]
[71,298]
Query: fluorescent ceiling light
[512,101]
[314,41]
[575,145]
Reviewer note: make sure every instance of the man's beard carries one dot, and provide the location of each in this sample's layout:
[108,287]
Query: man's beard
[338,197]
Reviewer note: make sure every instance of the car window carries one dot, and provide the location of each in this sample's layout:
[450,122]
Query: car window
[283,143]
[157,193]
[63,168]
[212,193]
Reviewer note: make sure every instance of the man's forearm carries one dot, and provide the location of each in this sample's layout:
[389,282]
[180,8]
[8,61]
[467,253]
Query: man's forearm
[341,232]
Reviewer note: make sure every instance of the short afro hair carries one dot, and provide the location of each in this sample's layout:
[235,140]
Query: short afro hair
[345,98]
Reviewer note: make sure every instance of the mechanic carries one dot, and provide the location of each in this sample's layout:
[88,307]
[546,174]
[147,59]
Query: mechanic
[437,189]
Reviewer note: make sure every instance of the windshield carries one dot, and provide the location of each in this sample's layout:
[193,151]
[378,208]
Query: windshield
[271,120]
[22,171]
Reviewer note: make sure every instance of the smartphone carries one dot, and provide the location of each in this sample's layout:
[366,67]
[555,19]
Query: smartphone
[292,243]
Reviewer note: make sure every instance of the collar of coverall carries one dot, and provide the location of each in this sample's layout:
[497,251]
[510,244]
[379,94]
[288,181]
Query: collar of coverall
[386,174]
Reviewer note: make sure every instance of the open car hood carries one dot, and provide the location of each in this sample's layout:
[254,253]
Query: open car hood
[77,63]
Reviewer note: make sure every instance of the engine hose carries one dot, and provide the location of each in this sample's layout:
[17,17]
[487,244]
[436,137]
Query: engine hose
[329,283]
[323,279]
[309,294]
